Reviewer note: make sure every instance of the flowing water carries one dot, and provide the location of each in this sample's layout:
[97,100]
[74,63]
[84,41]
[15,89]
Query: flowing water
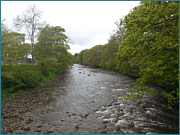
[86,101]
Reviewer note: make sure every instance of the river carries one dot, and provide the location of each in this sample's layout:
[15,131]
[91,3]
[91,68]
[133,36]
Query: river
[86,100]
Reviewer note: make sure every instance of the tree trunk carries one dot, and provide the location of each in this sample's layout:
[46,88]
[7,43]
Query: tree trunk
[32,45]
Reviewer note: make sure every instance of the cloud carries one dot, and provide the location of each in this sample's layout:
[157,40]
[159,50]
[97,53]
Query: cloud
[85,36]
[100,39]
[89,43]
[87,23]
[76,48]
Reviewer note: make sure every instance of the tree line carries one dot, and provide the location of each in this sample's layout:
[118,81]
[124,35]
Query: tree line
[146,46]
[50,55]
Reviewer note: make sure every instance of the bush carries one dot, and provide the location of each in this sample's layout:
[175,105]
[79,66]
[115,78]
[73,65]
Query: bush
[126,68]
[17,77]
[28,75]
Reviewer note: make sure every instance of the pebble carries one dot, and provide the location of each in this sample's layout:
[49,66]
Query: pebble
[84,115]
[73,114]
[95,110]
[38,126]
[120,122]
[76,127]
[26,128]
[117,103]
[50,130]
[109,120]
[113,115]
[19,132]
[28,121]
[81,132]
[38,130]
[115,132]
[105,120]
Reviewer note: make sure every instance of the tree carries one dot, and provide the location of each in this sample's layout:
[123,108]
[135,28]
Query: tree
[76,58]
[25,49]
[151,41]
[11,45]
[30,20]
[108,58]
[51,49]
[85,55]
[94,56]
[80,57]
[117,37]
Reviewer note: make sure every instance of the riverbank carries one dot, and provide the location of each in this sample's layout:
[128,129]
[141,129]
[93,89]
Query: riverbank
[86,100]
[17,79]
[15,110]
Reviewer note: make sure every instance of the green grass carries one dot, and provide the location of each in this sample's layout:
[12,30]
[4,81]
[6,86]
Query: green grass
[19,78]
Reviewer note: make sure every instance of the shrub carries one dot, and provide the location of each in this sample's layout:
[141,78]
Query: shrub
[16,77]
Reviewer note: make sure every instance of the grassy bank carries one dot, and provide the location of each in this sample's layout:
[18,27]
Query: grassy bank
[19,78]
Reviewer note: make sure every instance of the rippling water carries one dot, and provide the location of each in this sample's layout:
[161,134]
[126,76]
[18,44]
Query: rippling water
[86,101]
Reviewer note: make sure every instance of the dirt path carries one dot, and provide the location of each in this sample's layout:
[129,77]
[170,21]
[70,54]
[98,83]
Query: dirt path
[85,101]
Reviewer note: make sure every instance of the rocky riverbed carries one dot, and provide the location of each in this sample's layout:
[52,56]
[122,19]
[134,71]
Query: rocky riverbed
[16,113]
[86,100]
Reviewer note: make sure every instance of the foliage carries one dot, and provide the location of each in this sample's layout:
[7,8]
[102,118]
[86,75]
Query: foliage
[80,57]
[17,77]
[76,58]
[145,45]
[108,59]
[51,50]
[94,56]
[13,48]
[51,54]
[151,41]
[25,50]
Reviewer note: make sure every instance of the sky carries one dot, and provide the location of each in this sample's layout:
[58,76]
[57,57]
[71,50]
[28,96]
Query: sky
[87,23]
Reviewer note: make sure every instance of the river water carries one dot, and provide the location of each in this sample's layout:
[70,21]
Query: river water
[86,101]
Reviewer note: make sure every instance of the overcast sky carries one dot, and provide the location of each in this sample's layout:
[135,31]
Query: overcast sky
[87,23]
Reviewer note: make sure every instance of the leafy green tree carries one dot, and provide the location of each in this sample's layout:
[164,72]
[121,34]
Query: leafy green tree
[44,49]
[94,56]
[11,45]
[151,41]
[80,57]
[108,58]
[51,50]
[85,57]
